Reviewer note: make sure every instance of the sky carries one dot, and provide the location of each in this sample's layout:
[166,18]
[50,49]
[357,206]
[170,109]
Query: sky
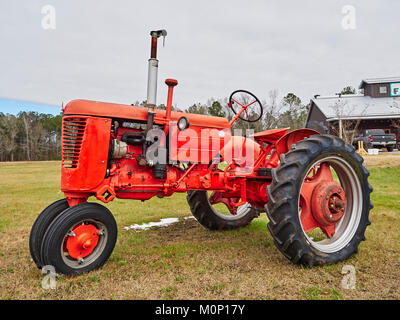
[98,50]
[13,106]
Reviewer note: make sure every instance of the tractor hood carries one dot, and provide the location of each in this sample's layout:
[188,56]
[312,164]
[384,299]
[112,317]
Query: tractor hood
[121,111]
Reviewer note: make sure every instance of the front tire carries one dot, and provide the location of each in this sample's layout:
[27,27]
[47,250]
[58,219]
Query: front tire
[80,239]
[285,210]
[42,222]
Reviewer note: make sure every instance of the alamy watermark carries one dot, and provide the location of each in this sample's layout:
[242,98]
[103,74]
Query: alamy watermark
[48,21]
[49,280]
[349,17]
[201,147]
[349,280]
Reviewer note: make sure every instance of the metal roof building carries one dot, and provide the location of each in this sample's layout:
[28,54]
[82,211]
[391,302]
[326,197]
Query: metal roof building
[377,107]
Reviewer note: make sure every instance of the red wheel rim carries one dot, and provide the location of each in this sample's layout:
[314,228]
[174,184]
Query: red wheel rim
[322,201]
[83,241]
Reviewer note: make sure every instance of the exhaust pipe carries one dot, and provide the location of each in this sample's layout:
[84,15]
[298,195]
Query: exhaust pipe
[153,68]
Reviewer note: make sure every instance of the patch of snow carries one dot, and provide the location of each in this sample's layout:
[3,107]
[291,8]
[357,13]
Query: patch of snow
[161,223]
[145,226]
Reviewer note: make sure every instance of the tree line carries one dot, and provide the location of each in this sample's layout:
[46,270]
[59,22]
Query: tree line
[32,136]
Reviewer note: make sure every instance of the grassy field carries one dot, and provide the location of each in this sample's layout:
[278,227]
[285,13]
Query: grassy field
[185,261]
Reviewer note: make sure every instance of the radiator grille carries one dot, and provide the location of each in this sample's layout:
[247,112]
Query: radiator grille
[72,137]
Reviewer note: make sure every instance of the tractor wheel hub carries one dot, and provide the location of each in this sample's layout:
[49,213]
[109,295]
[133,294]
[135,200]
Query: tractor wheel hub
[83,243]
[328,203]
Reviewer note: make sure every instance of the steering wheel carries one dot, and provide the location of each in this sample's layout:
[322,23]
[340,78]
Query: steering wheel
[248,102]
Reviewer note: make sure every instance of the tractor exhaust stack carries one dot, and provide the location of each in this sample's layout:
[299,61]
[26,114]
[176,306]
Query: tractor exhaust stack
[153,68]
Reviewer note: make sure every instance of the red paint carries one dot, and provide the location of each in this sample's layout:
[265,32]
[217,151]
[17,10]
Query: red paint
[219,197]
[322,201]
[113,110]
[89,149]
[171,83]
[86,141]
[83,242]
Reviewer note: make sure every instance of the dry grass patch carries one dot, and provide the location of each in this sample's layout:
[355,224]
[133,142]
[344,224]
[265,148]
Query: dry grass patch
[186,261]
[382,160]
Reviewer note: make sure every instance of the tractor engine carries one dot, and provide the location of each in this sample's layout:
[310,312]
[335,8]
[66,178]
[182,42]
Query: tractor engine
[133,152]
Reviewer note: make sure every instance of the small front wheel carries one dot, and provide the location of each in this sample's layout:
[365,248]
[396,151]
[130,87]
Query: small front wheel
[80,239]
[40,226]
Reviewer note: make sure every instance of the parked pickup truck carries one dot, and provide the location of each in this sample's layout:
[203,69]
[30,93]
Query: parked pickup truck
[376,138]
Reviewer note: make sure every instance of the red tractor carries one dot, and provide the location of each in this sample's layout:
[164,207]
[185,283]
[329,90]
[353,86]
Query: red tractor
[313,187]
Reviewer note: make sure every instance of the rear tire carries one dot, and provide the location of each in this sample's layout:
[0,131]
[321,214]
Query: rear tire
[40,226]
[55,250]
[211,219]
[283,207]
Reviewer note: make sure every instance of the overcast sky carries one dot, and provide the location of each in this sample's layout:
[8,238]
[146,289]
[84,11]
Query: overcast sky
[99,49]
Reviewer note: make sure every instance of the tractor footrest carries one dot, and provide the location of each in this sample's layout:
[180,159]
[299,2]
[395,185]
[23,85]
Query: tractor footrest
[264,172]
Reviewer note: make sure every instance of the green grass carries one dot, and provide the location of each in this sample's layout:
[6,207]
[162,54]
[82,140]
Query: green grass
[186,261]
[316,293]
[385,182]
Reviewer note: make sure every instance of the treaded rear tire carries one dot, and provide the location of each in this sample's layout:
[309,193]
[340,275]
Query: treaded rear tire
[204,213]
[282,207]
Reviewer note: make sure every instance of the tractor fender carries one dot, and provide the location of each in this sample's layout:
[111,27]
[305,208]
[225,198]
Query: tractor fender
[284,144]
[244,151]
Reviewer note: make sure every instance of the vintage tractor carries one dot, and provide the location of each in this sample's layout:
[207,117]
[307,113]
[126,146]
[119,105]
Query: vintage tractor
[313,187]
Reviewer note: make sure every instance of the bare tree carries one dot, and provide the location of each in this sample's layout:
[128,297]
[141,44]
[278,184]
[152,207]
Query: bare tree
[27,134]
[395,123]
[9,131]
[347,128]
[272,111]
